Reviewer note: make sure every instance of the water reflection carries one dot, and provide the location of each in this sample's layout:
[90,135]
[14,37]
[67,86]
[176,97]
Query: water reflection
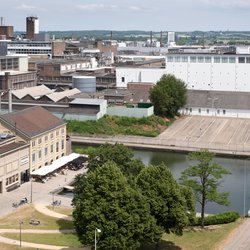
[234,183]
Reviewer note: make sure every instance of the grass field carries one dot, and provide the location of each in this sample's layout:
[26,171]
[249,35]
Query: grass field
[27,212]
[61,210]
[59,239]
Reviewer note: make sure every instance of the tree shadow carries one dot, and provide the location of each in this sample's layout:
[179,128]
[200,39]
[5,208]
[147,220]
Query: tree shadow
[162,245]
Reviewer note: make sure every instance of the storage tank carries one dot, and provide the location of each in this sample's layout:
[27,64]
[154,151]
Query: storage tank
[85,83]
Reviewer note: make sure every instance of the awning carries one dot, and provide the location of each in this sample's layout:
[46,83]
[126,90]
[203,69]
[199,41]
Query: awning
[55,165]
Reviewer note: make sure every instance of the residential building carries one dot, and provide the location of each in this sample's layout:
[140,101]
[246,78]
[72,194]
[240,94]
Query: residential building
[14,163]
[44,132]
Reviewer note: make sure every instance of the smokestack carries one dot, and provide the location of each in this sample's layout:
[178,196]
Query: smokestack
[2,21]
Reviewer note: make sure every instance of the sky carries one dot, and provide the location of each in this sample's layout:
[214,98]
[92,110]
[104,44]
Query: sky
[155,15]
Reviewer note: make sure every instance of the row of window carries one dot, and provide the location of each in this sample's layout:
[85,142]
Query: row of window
[207,110]
[208,59]
[30,51]
[12,179]
[39,153]
[29,45]
[51,137]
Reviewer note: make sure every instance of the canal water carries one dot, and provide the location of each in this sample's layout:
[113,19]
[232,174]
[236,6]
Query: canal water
[237,183]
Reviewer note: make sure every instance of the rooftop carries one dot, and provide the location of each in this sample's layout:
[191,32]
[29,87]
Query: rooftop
[31,121]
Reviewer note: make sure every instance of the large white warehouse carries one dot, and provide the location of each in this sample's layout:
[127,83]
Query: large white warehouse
[219,72]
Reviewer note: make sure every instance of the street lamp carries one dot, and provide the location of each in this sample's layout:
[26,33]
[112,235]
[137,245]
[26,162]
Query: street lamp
[31,189]
[96,231]
[20,224]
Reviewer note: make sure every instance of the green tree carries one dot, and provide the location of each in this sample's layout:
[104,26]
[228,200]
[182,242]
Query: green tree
[167,202]
[119,154]
[168,96]
[106,201]
[204,178]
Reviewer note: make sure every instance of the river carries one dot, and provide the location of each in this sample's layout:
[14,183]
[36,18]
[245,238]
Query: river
[237,183]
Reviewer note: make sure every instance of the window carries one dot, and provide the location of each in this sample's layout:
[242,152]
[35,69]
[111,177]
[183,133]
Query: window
[184,59]
[207,59]
[33,157]
[224,111]
[51,136]
[46,151]
[200,59]
[207,111]
[46,138]
[33,143]
[199,110]
[39,140]
[190,110]
[57,147]
[241,59]
[224,59]
[217,60]
[62,144]
[218,111]
[123,79]
[192,59]
[177,59]
[247,59]
[51,148]
[40,154]
[231,59]
[170,59]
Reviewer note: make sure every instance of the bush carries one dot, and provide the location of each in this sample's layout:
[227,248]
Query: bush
[220,218]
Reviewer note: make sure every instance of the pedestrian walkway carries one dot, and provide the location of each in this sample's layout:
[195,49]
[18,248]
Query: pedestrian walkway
[43,209]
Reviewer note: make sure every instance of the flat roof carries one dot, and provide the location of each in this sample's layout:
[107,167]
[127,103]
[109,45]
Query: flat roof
[87,101]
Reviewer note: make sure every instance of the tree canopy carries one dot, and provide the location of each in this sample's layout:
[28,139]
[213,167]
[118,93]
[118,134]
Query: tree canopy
[129,202]
[204,179]
[119,154]
[168,95]
[109,203]
[166,199]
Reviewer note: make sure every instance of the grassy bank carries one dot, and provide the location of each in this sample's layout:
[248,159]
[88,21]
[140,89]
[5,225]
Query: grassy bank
[114,125]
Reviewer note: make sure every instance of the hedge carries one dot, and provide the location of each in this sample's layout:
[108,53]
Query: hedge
[220,218]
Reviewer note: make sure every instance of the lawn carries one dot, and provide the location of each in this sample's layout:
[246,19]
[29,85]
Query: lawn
[13,247]
[192,240]
[61,210]
[59,239]
[27,212]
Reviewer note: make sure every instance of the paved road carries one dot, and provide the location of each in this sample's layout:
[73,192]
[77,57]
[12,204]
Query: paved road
[239,239]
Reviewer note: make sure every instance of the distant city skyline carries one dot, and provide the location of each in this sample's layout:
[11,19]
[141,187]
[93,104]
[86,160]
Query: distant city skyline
[175,15]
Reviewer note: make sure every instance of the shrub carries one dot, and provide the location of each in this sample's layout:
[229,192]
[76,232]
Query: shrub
[220,218]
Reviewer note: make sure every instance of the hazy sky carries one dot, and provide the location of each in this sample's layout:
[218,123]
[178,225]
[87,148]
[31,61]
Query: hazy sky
[156,15]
